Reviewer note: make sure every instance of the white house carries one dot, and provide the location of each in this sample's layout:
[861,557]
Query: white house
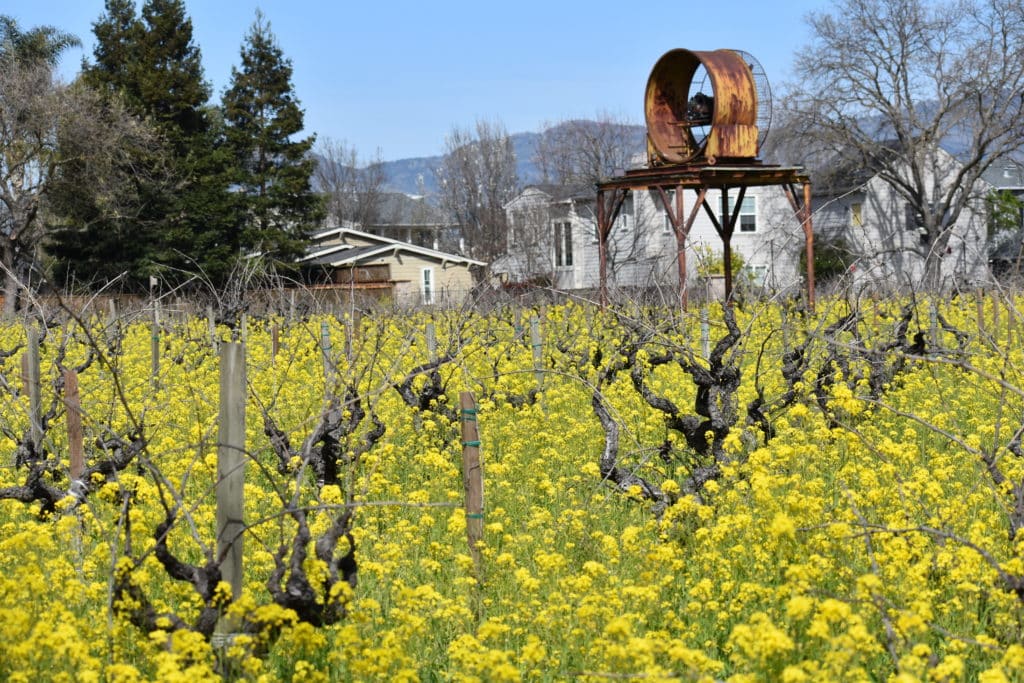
[412,219]
[1006,247]
[858,212]
[553,240]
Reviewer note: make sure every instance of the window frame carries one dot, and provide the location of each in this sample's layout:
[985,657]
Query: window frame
[857,214]
[563,247]
[756,273]
[752,213]
[667,228]
[427,285]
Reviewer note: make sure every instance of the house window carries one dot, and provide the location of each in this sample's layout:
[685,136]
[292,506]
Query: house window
[427,285]
[755,273]
[625,219]
[563,244]
[915,219]
[516,229]
[748,214]
[670,195]
[857,215]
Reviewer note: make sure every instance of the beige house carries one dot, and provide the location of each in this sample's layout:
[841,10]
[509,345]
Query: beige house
[381,267]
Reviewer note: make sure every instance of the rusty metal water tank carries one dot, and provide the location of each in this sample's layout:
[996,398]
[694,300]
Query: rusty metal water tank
[706,107]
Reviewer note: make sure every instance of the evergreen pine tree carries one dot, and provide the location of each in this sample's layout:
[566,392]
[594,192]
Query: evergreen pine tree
[118,34]
[91,242]
[262,116]
[184,218]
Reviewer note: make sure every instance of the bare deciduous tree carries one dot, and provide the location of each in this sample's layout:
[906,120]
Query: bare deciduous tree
[477,178]
[351,187]
[580,153]
[46,129]
[584,152]
[885,83]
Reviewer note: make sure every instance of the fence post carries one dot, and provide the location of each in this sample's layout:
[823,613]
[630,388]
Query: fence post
[472,478]
[231,467]
[275,341]
[30,377]
[76,437]
[933,317]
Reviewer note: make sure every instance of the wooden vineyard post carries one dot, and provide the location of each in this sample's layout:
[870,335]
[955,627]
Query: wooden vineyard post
[212,324]
[705,332]
[785,329]
[112,331]
[275,341]
[154,370]
[76,437]
[995,317]
[431,335]
[538,351]
[352,333]
[979,297]
[325,346]
[933,319]
[231,468]
[472,479]
[1011,324]
[30,377]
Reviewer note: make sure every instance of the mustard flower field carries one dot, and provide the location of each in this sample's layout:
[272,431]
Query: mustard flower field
[741,494]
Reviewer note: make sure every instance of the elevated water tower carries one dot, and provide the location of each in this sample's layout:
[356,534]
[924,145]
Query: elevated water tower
[706,107]
[707,114]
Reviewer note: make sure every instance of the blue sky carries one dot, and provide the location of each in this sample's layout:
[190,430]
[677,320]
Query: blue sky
[396,76]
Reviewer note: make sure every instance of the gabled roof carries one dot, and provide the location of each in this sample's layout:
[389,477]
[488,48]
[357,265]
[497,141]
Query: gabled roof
[845,171]
[347,246]
[556,193]
[560,193]
[1007,174]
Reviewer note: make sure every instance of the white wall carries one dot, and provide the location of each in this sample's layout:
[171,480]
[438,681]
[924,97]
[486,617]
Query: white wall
[642,247]
[890,254]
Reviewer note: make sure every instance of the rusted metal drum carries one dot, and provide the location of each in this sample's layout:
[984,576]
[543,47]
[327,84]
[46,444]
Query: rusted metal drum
[675,108]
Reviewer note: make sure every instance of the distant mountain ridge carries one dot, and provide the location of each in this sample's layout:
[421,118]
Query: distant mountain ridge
[417,175]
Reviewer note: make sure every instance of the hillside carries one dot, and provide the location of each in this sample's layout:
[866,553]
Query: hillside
[404,175]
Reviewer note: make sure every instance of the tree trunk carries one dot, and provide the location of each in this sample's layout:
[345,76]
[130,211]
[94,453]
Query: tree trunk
[11,284]
[932,280]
